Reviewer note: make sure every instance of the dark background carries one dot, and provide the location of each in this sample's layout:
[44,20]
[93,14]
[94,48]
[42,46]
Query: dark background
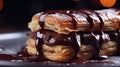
[16,14]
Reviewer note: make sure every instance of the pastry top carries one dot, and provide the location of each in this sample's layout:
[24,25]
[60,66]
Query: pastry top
[66,21]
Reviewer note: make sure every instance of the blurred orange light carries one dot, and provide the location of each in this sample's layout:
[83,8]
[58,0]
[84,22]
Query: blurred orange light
[108,3]
[1,4]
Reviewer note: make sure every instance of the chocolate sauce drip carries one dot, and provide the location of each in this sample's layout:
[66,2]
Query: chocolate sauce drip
[104,38]
[101,40]
[101,21]
[75,41]
[97,43]
[69,13]
[88,17]
[89,39]
[39,41]
[41,21]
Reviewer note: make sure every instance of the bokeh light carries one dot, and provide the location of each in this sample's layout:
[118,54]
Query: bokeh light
[1,4]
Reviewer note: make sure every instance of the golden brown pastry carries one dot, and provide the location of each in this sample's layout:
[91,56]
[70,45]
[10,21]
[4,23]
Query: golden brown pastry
[63,35]
[109,48]
[86,51]
[31,48]
[59,53]
[63,23]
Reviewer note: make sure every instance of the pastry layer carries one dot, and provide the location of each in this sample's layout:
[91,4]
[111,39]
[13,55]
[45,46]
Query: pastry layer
[66,21]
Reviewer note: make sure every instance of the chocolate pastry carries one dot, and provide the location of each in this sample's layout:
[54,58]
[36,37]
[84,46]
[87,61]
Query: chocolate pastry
[63,35]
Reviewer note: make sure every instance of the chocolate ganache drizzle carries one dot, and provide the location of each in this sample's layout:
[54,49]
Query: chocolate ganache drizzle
[75,39]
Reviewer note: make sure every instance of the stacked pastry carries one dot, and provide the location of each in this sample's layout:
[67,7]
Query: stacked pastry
[62,35]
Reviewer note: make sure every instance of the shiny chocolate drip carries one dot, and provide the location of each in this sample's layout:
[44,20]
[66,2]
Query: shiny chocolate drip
[75,40]
[39,35]
[87,14]
[101,21]
[104,38]
[39,43]
[89,39]
[69,13]
[101,39]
